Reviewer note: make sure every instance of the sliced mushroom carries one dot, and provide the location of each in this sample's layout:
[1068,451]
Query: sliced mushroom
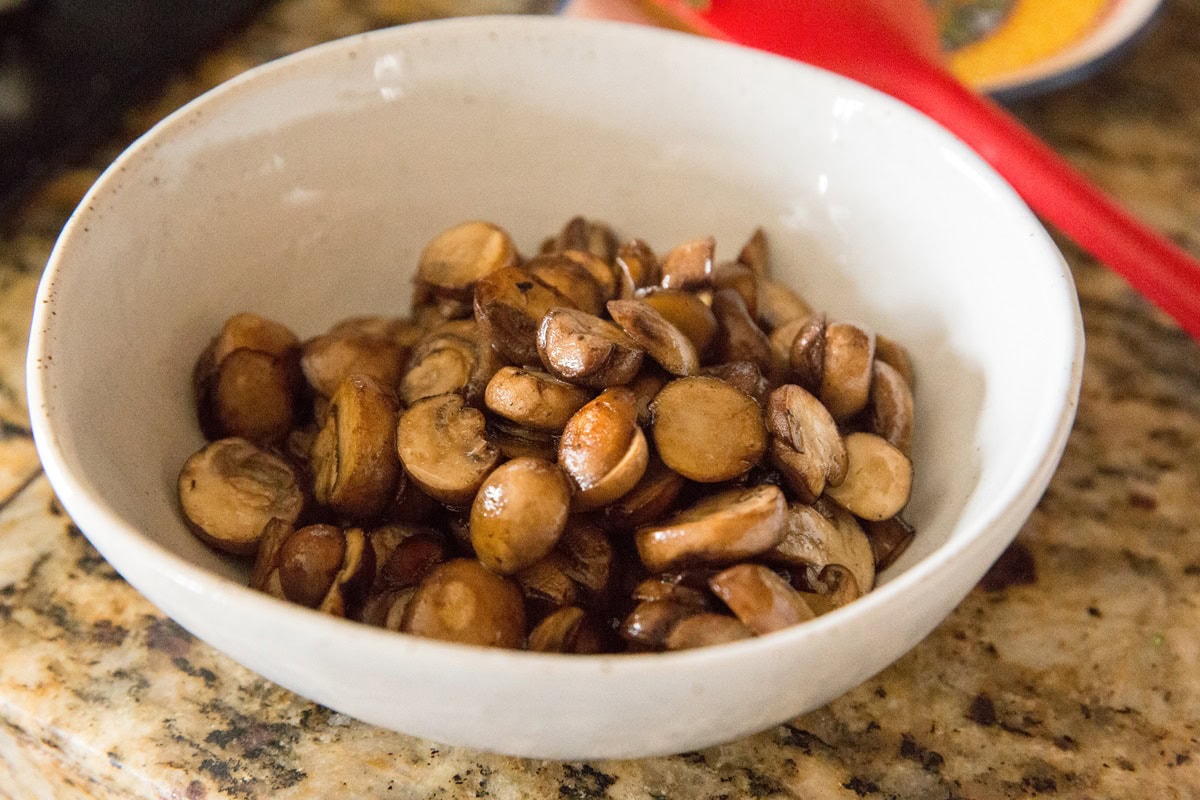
[603,450]
[761,600]
[646,386]
[265,574]
[444,448]
[778,305]
[588,236]
[651,499]
[456,259]
[889,539]
[546,588]
[386,609]
[462,601]
[517,441]
[354,456]
[534,399]
[409,560]
[892,407]
[666,588]
[806,446]
[637,267]
[846,380]
[570,279]
[705,630]
[586,556]
[896,356]
[740,338]
[782,338]
[519,514]
[755,254]
[231,489]
[329,359]
[650,622]
[453,357]
[509,305]
[740,279]
[402,331]
[808,354]
[836,587]
[586,350]
[689,265]
[567,630]
[352,581]
[878,478]
[246,331]
[743,376]
[824,534]
[652,332]
[308,562]
[707,430]
[601,270]
[721,529]
[687,312]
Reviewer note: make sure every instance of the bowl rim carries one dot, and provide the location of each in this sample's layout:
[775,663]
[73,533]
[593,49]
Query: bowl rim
[113,535]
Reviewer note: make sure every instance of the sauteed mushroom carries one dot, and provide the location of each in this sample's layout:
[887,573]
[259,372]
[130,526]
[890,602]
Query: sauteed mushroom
[805,445]
[652,332]
[892,407]
[761,600]
[509,306]
[567,630]
[878,478]
[824,534]
[456,259]
[533,398]
[721,529]
[687,312]
[444,448]
[330,359]
[603,450]
[519,514]
[707,430]
[586,350]
[463,601]
[231,489]
[689,265]
[705,630]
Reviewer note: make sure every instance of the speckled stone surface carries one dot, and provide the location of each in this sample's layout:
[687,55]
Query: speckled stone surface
[1072,671]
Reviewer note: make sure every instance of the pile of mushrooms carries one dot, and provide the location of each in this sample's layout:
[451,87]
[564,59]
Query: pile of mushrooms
[594,449]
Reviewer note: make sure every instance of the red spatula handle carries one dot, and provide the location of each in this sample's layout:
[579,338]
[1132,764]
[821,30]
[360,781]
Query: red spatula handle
[870,41]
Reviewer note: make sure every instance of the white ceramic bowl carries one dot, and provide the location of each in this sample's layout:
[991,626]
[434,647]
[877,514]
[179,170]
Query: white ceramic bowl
[304,190]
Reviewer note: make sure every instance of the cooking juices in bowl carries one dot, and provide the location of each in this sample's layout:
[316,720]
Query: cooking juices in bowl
[591,450]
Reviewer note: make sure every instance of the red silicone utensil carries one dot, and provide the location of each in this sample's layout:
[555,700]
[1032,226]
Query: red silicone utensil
[892,46]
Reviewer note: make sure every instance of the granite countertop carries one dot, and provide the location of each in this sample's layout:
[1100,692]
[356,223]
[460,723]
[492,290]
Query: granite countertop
[1072,671]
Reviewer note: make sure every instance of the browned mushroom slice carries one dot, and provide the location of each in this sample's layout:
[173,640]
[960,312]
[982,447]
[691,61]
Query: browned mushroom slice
[742,280]
[516,441]
[250,394]
[646,386]
[462,601]
[636,267]
[740,338]
[586,350]
[546,587]
[601,270]
[453,357]
[308,561]
[707,430]
[350,584]
[806,446]
[665,588]
[588,236]
[586,556]
[570,279]
[410,559]
[437,311]
[652,332]
[755,253]
[444,448]
[824,534]
[889,539]
[846,380]
[690,265]
[519,514]
[688,313]
[782,338]
[721,529]
[651,499]
[567,630]
[456,259]
[602,450]
[896,356]
[231,489]
[778,305]
[892,407]
[878,478]
[763,601]
[402,331]
[808,354]
[705,630]
[533,398]
[265,574]
[354,456]
[386,609]
[329,359]
[743,376]
[650,622]
[510,305]
[836,587]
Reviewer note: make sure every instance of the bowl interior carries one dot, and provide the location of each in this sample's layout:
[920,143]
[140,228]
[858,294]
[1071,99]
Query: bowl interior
[304,192]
